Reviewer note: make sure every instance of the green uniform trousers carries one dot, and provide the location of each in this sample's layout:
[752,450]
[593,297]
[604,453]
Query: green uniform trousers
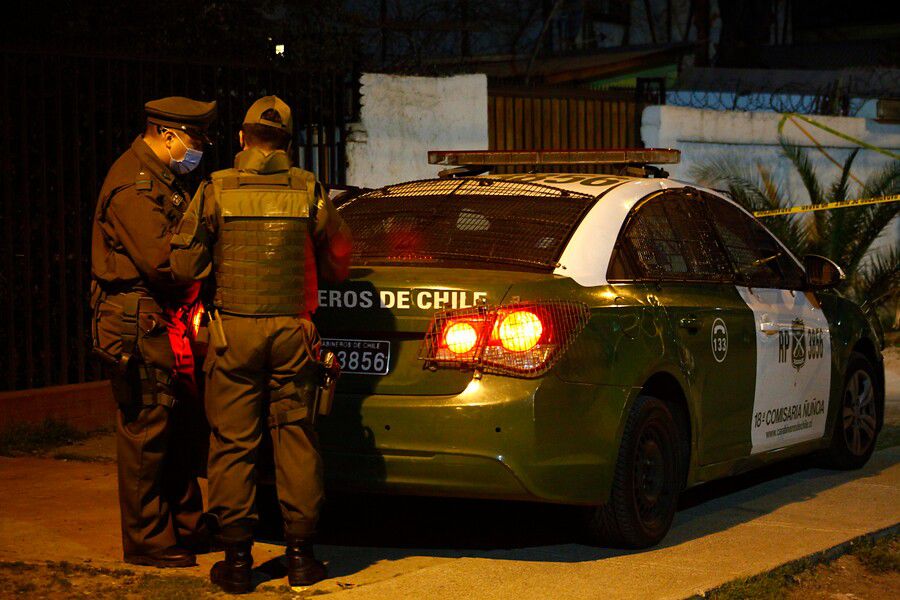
[266,378]
[157,427]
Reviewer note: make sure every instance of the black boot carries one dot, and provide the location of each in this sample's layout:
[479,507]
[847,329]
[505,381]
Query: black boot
[235,573]
[302,566]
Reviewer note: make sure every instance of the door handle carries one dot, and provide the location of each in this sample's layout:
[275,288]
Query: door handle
[770,328]
[690,322]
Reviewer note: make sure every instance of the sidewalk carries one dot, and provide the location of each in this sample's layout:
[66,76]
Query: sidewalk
[66,510]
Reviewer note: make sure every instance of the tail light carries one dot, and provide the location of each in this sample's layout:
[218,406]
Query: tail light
[460,337]
[519,330]
[522,339]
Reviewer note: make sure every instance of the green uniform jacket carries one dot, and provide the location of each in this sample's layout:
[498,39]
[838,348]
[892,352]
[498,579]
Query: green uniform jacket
[139,206]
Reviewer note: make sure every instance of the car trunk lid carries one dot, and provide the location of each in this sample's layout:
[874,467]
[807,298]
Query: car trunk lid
[376,320]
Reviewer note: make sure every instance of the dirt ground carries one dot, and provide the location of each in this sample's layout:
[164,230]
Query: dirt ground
[847,577]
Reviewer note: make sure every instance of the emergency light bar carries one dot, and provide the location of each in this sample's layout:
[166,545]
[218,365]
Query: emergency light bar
[614,156]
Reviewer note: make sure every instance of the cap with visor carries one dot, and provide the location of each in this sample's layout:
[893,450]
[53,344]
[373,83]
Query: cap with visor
[183,114]
[257,109]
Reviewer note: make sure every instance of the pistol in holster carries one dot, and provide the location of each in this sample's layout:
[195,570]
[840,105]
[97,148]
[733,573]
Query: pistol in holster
[329,369]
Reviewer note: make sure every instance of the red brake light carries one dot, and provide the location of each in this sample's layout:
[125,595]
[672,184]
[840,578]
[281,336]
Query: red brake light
[460,337]
[520,330]
[523,339]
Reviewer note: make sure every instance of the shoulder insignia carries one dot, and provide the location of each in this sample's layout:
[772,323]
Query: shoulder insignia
[177,199]
[143,182]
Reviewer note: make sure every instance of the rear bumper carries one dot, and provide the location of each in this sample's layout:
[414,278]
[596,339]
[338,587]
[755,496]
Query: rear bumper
[502,438]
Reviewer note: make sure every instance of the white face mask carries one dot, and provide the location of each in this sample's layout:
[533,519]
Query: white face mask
[187,164]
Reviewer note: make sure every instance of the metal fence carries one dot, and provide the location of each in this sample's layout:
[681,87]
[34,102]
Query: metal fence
[840,93]
[64,121]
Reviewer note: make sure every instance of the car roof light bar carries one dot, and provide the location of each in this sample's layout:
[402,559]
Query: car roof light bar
[609,156]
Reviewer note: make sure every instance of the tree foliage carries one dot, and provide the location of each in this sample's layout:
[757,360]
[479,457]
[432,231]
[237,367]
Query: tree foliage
[844,235]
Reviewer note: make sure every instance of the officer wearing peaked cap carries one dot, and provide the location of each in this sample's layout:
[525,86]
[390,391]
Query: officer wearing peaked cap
[142,328]
[264,231]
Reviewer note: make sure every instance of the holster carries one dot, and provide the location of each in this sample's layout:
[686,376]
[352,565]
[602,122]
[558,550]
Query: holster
[329,371]
[135,380]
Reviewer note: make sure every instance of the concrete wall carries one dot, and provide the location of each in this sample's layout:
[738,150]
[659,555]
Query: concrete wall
[752,137]
[403,117]
[84,406]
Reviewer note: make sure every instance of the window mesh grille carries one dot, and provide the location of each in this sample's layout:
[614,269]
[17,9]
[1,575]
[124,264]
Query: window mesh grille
[465,220]
[670,238]
[757,257]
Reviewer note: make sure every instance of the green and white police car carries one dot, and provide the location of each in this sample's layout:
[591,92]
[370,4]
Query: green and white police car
[596,340]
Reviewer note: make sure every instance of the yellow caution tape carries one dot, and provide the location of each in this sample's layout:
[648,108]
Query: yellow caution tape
[837,133]
[826,206]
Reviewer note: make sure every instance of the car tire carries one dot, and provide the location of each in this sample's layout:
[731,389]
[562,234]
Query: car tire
[858,419]
[646,481]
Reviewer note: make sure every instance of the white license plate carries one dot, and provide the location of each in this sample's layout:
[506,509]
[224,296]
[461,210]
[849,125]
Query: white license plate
[360,357]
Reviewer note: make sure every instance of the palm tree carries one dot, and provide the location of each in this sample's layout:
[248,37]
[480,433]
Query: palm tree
[844,235]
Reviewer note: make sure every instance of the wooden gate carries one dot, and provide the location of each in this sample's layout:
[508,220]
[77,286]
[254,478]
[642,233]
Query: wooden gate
[535,119]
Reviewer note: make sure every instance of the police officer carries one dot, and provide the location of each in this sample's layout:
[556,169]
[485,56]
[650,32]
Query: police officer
[263,230]
[142,328]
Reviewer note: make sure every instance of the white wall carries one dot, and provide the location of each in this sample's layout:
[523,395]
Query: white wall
[402,118]
[702,134]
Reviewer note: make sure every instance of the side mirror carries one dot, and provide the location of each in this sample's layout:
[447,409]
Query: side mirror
[822,273]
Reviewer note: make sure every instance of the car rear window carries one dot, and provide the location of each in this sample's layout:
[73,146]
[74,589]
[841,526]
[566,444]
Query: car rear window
[455,222]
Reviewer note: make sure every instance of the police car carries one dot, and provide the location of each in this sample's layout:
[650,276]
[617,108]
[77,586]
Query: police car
[595,340]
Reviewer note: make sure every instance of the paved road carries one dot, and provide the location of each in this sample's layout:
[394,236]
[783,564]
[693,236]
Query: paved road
[431,548]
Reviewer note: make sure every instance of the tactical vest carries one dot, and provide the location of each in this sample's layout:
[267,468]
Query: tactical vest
[260,254]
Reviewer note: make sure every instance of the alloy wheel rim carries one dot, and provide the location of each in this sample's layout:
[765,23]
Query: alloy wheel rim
[858,413]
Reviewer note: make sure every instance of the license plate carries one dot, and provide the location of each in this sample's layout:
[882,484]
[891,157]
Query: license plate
[360,357]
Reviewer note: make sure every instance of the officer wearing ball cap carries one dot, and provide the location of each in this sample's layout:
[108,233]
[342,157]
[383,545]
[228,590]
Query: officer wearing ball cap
[142,330]
[264,231]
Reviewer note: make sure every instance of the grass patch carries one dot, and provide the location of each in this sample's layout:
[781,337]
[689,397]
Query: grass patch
[16,567]
[173,587]
[64,579]
[766,586]
[82,457]
[877,556]
[880,556]
[69,569]
[27,438]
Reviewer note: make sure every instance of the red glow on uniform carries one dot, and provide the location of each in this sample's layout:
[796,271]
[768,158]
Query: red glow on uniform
[198,318]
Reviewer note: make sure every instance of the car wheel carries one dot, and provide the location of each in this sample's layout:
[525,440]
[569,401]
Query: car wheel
[856,426]
[646,481]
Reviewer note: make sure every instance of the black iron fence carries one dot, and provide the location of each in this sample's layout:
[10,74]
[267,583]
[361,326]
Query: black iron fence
[63,121]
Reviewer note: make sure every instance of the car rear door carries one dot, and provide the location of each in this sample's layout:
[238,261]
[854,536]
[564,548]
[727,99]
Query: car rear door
[670,244]
[793,342]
